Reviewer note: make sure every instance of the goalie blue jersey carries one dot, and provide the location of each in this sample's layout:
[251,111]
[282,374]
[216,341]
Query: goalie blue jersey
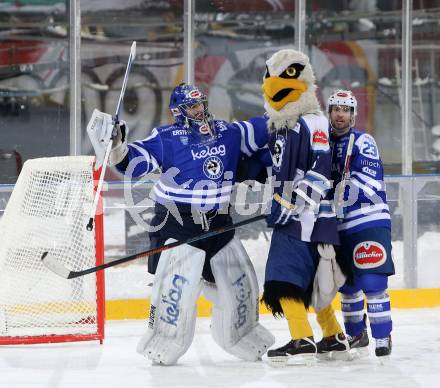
[365,200]
[197,169]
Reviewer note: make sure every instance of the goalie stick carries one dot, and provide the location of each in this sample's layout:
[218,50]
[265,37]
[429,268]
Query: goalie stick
[59,269]
[345,172]
[115,120]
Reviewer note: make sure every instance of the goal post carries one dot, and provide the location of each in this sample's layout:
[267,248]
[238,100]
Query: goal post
[48,211]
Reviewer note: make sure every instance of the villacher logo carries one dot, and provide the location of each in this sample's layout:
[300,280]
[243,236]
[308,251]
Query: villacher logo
[369,254]
[320,137]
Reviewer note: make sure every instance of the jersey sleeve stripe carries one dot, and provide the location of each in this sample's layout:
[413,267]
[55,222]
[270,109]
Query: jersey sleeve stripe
[315,187]
[317,180]
[248,145]
[368,180]
[251,136]
[243,147]
[203,200]
[225,189]
[153,134]
[374,217]
[367,210]
[304,196]
[367,190]
[151,160]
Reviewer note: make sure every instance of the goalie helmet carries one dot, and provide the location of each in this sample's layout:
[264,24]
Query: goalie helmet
[184,97]
[343,98]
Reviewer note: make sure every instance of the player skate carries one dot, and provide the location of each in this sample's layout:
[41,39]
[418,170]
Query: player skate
[302,350]
[335,347]
[359,344]
[383,346]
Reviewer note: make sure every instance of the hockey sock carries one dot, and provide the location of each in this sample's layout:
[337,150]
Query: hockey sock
[328,322]
[353,312]
[296,315]
[379,314]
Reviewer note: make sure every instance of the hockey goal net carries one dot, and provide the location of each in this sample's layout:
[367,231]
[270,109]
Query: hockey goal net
[48,211]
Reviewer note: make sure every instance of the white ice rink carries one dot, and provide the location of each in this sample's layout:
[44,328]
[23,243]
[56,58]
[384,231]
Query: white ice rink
[415,361]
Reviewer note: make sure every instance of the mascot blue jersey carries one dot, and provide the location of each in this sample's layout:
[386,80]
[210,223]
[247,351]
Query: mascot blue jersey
[365,200]
[197,169]
[301,163]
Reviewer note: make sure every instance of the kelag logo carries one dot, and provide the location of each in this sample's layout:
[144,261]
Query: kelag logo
[242,296]
[209,151]
[173,300]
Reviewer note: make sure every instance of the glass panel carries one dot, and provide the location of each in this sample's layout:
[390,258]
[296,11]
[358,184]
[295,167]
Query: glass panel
[395,205]
[233,41]
[108,30]
[428,226]
[357,45]
[34,50]
[426,86]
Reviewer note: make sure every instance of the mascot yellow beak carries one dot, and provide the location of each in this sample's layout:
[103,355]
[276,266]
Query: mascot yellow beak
[280,91]
[288,88]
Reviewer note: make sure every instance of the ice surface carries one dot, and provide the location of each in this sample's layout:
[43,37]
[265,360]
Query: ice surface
[415,361]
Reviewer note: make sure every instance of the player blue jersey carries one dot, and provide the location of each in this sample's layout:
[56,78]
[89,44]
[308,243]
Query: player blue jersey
[301,162]
[196,169]
[365,200]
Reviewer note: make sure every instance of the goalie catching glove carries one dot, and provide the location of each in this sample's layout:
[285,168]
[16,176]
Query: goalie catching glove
[101,130]
[328,278]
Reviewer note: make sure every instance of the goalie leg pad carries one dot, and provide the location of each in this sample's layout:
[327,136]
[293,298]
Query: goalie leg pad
[173,312]
[235,312]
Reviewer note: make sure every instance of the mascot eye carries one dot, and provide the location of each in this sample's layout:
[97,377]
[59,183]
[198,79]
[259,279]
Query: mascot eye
[291,71]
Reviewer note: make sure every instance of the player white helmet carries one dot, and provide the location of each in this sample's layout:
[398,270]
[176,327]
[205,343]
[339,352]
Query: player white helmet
[344,98]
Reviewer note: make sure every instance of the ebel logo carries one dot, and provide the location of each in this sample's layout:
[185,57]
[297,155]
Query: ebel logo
[369,171]
[209,151]
[221,126]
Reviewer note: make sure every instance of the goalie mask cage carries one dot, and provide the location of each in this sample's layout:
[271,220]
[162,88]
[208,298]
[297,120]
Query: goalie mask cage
[48,211]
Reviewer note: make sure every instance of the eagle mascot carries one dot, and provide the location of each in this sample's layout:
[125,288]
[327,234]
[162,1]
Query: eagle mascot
[303,220]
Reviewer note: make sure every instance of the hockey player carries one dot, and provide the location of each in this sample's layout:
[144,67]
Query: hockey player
[198,158]
[304,222]
[365,228]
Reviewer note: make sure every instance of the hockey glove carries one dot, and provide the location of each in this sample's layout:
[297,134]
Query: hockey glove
[100,130]
[119,148]
[281,212]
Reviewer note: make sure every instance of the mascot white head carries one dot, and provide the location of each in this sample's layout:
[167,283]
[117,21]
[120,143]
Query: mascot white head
[289,88]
